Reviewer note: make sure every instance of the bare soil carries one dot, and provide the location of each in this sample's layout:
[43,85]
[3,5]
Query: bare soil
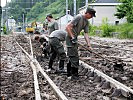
[17,79]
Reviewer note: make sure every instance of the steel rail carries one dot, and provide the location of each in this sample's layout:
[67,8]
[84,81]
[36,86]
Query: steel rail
[51,83]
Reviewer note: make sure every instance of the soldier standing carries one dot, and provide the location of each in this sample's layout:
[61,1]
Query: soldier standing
[73,30]
[52,24]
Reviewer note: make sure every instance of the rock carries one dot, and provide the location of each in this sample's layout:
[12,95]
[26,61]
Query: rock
[124,78]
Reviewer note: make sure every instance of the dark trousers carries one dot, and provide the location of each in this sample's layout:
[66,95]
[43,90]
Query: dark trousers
[56,49]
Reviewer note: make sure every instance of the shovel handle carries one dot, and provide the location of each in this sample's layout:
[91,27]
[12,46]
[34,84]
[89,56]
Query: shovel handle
[95,53]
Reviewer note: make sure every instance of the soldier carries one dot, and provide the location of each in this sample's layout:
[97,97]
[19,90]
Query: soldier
[43,40]
[57,48]
[73,30]
[44,29]
[52,24]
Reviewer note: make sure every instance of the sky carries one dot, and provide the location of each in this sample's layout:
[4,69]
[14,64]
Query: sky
[3,2]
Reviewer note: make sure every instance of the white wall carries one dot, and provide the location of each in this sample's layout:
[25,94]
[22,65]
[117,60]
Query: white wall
[11,23]
[63,21]
[104,12]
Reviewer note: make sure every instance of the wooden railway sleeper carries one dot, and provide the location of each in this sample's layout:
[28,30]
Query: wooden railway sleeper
[109,83]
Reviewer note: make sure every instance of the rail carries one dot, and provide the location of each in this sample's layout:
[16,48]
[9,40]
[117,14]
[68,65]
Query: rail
[51,83]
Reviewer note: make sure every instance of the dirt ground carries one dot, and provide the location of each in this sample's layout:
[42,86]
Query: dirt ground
[17,79]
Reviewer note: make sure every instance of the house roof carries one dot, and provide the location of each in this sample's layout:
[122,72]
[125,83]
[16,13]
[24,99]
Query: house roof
[104,4]
[100,4]
[64,16]
[106,1]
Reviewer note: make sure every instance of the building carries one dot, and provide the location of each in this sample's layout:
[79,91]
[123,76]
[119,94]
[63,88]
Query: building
[11,23]
[62,21]
[104,9]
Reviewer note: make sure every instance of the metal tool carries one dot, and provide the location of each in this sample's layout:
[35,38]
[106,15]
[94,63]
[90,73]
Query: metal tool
[116,65]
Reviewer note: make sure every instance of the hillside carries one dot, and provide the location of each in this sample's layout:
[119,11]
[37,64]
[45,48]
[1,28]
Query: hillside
[38,9]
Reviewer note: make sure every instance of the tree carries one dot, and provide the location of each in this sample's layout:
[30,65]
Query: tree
[17,13]
[125,10]
[35,11]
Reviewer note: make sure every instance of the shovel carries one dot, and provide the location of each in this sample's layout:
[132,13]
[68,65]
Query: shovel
[117,66]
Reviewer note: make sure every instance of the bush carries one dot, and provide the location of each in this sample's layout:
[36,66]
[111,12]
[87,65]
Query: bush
[4,29]
[106,28]
[126,30]
[92,30]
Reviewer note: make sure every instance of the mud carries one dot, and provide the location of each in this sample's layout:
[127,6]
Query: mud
[17,79]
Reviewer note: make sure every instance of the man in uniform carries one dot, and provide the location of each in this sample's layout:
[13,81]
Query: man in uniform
[52,24]
[43,40]
[73,30]
[55,40]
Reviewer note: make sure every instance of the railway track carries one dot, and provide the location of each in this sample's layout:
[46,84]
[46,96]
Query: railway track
[36,66]
[93,83]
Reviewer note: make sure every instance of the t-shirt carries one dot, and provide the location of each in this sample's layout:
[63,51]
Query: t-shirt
[52,26]
[59,34]
[79,23]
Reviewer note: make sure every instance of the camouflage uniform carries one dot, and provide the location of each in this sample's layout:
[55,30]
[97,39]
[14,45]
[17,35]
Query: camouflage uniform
[79,23]
[52,26]
[57,48]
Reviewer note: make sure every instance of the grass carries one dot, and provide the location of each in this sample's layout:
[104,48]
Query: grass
[105,30]
[125,30]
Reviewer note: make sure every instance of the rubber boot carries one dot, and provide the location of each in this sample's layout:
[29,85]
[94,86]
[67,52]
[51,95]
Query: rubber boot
[50,64]
[74,74]
[61,65]
[69,69]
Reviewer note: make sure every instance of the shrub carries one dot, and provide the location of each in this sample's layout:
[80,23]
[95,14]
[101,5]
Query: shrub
[126,30]
[106,28]
[92,30]
[4,29]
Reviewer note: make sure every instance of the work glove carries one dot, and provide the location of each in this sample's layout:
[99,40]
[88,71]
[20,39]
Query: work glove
[74,40]
[41,46]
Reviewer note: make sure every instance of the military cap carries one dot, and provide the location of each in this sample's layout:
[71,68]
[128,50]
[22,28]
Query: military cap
[91,11]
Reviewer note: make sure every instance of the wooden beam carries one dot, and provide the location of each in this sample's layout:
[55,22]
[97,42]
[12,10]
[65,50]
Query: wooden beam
[111,80]
[31,46]
[52,84]
[36,86]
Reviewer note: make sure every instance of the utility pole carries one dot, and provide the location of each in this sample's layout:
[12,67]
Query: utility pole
[32,2]
[74,7]
[0,16]
[67,10]
[86,3]
[23,22]
[66,7]
[6,16]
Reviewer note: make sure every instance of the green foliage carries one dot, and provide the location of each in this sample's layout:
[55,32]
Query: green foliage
[35,11]
[125,10]
[125,30]
[106,28]
[4,29]
[57,9]
[17,13]
[92,30]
